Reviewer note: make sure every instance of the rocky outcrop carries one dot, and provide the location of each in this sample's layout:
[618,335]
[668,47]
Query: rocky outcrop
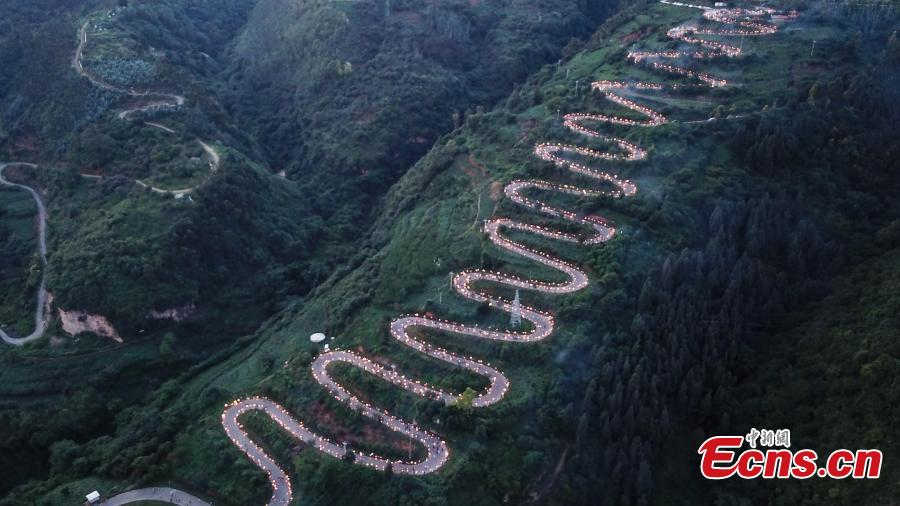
[176,313]
[75,322]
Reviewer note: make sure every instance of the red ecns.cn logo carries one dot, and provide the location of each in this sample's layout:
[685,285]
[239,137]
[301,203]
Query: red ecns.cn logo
[720,459]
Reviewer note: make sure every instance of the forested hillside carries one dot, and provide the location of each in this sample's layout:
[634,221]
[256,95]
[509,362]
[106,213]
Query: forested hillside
[751,280]
[121,257]
[365,88]
[180,279]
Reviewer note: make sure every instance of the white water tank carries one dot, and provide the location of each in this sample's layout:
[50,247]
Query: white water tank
[318,337]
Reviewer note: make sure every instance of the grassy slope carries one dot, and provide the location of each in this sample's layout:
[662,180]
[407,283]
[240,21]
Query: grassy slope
[430,216]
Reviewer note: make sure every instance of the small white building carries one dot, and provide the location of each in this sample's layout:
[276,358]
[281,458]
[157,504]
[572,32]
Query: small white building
[721,4]
[93,497]
[318,337]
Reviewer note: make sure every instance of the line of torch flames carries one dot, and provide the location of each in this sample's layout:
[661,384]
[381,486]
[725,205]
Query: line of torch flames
[543,322]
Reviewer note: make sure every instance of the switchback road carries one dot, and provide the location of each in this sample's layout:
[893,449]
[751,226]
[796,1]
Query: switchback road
[746,22]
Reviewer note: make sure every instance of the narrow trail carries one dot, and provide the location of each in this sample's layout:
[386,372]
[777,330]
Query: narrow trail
[164,128]
[164,100]
[40,320]
[746,23]
[157,101]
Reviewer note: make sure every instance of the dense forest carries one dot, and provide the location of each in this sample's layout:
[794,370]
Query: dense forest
[711,315]
[753,284]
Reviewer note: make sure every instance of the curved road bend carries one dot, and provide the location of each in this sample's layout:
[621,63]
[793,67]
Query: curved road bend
[40,322]
[214,161]
[171,100]
[155,494]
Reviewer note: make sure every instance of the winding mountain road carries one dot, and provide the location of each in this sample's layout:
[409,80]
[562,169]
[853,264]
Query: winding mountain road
[155,494]
[40,320]
[542,323]
[463,282]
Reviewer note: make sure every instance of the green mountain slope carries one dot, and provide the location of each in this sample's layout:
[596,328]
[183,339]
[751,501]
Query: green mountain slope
[746,232]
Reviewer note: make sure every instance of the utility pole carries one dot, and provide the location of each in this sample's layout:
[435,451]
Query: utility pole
[515,317]
[813,48]
[409,448]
